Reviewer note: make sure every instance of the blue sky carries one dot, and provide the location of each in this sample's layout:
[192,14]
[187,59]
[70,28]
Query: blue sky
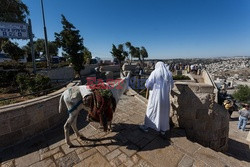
[166,28]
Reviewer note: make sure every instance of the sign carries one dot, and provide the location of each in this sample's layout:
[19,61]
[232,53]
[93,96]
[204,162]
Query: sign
[14,30]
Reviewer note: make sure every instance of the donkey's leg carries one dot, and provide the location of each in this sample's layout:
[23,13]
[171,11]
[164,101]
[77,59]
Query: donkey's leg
[109,126]
[73,125]
[66,129]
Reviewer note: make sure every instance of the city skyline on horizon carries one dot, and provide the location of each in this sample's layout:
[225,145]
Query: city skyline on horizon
[167,29]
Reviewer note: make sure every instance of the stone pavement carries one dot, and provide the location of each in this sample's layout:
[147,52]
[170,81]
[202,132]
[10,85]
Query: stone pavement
[125,146]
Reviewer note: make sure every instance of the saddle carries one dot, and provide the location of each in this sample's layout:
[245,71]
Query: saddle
[99,103]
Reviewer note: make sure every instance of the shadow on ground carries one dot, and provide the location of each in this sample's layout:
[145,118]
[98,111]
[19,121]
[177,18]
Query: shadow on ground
[40,141]
[238,150]
[131,137]
[123,134]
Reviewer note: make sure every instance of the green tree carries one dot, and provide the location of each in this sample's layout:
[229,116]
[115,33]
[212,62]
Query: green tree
[27,50]
[87,55]
[144,53]
[72,44]
[12,11]
[128,45]
[136,52]
[242,94]
[119,53]
[13,50]
[40,47]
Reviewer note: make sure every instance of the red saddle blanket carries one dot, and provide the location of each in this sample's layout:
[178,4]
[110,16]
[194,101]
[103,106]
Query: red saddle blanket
[100,104]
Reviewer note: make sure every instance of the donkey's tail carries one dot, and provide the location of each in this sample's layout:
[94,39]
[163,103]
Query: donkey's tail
[60,103]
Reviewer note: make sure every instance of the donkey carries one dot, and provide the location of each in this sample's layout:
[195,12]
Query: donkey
[73,98]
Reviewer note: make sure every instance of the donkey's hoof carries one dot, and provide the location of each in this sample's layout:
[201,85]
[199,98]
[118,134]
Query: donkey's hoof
[81,137]
[70,145]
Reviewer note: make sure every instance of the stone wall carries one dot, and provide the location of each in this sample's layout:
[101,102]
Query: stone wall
[66,73]
[63,73]
[88,69]
[114,69]
[22,120]
[193,108]
[208,80]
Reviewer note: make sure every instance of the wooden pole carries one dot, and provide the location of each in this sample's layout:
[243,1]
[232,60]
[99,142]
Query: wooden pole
[147,93]
[32,47]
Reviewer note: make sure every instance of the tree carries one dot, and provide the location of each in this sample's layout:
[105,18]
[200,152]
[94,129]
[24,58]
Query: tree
[144,53]
[72,44]
[12,11]
[40,47]
[242,94]
[13,50]
[136,53]
[87,55]
[128,45]
[119,53]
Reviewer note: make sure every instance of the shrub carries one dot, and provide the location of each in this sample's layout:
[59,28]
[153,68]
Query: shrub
[32,84]
[23,82]
[242,94]
[12,65]
[8,78]
[40,83]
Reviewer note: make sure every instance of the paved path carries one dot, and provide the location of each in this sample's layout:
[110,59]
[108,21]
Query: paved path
[126,146]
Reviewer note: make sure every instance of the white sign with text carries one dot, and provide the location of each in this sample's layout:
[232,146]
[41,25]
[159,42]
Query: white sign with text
[14,30]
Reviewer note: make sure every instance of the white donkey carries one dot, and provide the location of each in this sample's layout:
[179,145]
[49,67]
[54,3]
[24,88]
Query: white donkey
[73,98]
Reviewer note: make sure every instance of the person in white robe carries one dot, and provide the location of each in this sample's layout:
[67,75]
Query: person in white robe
[159,83]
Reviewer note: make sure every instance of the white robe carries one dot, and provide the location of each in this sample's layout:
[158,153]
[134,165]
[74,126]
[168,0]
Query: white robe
[157,115]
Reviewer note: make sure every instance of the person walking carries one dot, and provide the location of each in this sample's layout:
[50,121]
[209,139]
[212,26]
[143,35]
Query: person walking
[243,118]
[159,83]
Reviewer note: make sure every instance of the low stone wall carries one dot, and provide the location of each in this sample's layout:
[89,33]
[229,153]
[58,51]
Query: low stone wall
[206,77]
[113,68]
[208,80]
[193,108]
[88,69]
[66,73]
[22,120]
[63,73]
[127,67]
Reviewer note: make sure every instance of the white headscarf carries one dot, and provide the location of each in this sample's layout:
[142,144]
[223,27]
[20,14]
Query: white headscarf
[161,69]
